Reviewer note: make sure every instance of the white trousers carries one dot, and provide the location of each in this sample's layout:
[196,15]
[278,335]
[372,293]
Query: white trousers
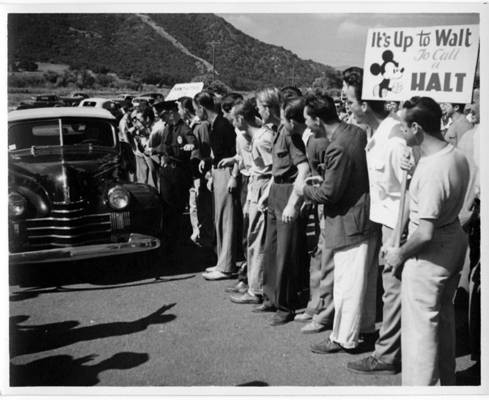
[354,270]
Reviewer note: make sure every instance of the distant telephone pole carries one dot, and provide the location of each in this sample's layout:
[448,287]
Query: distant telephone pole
[213,44]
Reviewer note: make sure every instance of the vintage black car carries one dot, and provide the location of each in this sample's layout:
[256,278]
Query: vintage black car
[45,100]
[68,194]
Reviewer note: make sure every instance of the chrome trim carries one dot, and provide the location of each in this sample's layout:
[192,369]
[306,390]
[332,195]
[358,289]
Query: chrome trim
[67,228]
[63,219]
[74,236]
[75,210]
[136,243]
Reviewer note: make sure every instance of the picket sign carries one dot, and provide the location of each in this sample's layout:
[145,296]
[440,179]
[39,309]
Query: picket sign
[184,90]
[437,61]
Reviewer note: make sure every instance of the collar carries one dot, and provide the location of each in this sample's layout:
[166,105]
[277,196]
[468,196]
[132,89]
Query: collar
[212,120]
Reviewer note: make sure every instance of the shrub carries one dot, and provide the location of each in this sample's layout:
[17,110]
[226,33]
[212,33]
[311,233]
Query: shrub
[51,76]
[105,80]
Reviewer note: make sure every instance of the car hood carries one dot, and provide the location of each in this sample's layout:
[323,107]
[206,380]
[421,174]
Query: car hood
[65,177]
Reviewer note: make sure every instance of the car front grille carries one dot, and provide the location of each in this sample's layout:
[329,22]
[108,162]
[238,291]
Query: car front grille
[70,225]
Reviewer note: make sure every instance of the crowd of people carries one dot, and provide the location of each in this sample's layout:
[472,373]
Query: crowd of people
[297,195]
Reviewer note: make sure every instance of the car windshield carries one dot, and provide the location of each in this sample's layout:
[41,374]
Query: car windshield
[76,131]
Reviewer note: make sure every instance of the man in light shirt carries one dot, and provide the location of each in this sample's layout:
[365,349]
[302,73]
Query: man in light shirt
[432,257]
[384,151]
[460,124]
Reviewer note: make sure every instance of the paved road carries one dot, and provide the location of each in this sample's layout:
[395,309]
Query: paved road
[104,323]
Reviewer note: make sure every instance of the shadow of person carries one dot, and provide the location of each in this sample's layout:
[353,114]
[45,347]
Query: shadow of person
[254,383]
[36,338]
[35,292]
[64,370]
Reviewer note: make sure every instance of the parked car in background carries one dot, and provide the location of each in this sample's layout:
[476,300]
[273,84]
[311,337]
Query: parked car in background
[68,194]
[79,95]
[139,99]
[101,102]
[73,99]
[45,100]
[124,100]
[155,96]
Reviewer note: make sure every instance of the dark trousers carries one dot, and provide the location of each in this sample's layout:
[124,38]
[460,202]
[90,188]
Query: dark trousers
[174,186]
[242,223]
[285,253]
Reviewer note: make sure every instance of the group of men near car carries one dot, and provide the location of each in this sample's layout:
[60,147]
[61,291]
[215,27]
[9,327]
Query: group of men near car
[260,169]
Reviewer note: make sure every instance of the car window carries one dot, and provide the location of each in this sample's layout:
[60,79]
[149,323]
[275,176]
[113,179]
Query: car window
[89,104]
[25,134]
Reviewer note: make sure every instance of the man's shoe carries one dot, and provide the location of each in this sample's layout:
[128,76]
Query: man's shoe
[313,327]
[304,317]
[264,308]
[281,319]
[240,287]
[246,298]
[326,347]
[211,269]
[216,276]
[371,366]
[369,337]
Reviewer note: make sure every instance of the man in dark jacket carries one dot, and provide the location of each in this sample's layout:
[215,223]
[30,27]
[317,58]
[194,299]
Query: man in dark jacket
[348,230]
[177,142]
[223,145]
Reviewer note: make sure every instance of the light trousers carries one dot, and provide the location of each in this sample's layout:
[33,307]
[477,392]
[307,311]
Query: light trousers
[256,238]
[321,280]
[354,300]
[225,221]
[201,213]
[428,287]
[388,345]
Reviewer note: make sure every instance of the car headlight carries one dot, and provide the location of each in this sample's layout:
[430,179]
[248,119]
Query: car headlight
[118,198]
[17,204]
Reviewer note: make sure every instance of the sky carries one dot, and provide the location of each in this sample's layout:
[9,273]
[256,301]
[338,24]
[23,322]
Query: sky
[332,39]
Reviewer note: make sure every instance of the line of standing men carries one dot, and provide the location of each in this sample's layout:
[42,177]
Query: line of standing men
[356,200]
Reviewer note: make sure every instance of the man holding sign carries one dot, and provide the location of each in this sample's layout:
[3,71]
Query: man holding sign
[384,153]
[435,250]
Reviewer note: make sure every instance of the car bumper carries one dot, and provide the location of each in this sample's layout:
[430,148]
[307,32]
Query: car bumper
[135,244]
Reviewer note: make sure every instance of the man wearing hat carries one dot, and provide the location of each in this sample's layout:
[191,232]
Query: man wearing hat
[177,142]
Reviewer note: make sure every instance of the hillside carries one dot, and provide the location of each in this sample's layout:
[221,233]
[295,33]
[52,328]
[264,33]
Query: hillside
[165,48]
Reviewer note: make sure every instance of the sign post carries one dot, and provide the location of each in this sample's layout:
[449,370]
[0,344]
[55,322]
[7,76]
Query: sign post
[437,61]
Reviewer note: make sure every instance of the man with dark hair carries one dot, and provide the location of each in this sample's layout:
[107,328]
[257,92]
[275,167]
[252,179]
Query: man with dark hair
[434,252]
[348,231]
[285,250]
[223,144]
[289,92]
[384,151]
[176,144]
[228,102]
[353,77]
[200,197]
[460,124]
[320,308]
[238,182]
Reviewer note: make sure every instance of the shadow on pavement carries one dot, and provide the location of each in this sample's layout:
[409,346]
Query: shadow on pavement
[254,383]
[64,370]
[36,291]
[28,339]
[189,258]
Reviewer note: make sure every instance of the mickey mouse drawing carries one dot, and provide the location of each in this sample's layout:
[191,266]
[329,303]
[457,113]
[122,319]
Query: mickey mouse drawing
[390,71]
